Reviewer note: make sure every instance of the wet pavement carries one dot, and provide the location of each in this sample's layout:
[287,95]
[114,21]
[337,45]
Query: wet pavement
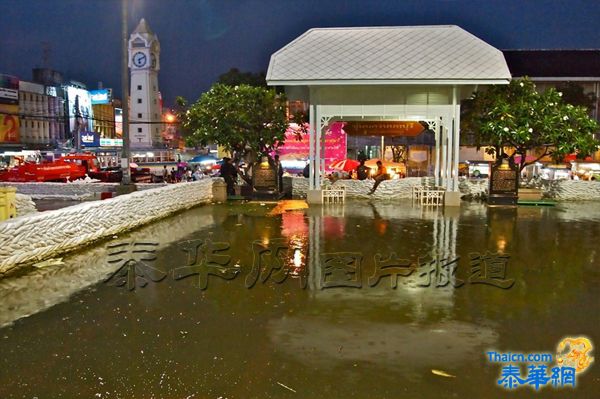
[66,332]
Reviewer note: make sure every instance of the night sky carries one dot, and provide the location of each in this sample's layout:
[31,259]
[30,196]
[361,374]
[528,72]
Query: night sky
[200,39]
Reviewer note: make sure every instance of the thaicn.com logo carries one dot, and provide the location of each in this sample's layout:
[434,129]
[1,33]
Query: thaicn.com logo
[541,369]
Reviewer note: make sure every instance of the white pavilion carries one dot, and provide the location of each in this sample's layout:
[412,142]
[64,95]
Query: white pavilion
[404,73]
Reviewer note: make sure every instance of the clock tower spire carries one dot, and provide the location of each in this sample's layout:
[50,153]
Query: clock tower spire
[144,108]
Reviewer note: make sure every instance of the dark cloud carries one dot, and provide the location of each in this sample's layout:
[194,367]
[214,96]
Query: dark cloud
[201,39]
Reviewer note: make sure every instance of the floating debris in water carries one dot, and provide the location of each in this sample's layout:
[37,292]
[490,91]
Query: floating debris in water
[288,205]
[286,387]
[49,262]
[442,373]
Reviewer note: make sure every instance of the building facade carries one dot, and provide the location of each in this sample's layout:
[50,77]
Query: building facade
[561,69]
[35,118]
[104,108]
[52,81]
[9,112]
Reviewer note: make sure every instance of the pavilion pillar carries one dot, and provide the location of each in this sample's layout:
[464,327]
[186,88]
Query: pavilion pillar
[311,148]
[449,160]
[452,197]
[438,138]
[313,194]
[444,155]
[319,130]
[456,149]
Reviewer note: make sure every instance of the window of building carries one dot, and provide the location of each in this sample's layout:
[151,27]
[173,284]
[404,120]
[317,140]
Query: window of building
[138,43]
[139,87]
[155,101]
[139,100]
[139,115]
[139,129]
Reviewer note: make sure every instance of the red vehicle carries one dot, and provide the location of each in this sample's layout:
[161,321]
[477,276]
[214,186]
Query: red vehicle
[70,167]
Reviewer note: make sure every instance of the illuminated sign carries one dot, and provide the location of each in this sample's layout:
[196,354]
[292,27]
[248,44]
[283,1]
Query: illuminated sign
[380,128]
[79,108]
[102,96]
[9,126]
[89,139]
[119,121]
[111,142]
[294,149]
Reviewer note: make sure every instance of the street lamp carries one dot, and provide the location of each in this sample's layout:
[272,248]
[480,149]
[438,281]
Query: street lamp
[169,118]
[125,94]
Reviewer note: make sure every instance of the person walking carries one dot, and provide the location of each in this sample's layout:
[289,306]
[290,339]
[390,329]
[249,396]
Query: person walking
[380,176]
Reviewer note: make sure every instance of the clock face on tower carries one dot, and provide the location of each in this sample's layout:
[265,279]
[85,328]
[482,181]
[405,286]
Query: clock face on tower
[139,59]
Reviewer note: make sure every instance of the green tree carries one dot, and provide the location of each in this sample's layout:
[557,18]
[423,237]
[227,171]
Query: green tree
[247,121]
[517,116]
[575,94]
[234,77]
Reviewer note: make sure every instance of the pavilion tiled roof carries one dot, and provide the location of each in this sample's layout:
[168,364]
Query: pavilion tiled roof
[415,53]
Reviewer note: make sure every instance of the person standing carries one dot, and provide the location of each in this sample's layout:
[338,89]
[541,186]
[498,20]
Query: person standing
[173,175]
[380,176]
[306,171]
[279,170]
[229,173]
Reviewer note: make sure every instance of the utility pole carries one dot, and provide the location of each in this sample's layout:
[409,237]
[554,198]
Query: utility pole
[125,95]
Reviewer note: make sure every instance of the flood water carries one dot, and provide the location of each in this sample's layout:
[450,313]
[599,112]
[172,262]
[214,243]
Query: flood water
[67,333]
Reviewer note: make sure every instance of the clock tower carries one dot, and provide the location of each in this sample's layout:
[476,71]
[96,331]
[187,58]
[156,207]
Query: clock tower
[144,99]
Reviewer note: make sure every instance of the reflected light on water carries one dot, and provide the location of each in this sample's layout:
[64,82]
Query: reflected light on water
[501,244]
[297,261]
[297,258]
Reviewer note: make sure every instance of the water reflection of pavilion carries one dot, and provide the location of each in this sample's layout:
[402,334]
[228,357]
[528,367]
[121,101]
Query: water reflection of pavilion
[406,328]
[328,223]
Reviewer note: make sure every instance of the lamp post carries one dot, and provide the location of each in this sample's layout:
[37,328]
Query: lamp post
[125,95]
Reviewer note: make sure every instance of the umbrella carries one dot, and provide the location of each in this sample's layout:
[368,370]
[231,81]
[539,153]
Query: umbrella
[573,158]
[345,164]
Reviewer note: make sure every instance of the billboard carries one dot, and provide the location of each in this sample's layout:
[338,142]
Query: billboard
[79,109]
[9,89]
[119,122]
[101,96]
[89,139]
[9,124]
[335,144]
